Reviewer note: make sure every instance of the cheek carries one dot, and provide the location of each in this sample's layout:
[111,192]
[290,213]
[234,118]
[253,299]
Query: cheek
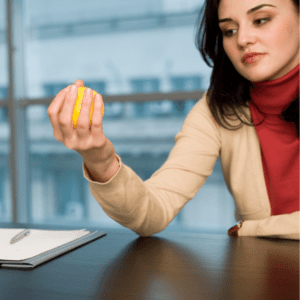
[292,33]
[226,48]
[286,33]
[230,51]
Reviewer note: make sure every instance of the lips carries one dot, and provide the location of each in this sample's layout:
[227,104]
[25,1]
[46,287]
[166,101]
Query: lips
[250,57]
[246,56]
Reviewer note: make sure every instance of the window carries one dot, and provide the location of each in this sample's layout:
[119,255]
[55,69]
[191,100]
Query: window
[142,48]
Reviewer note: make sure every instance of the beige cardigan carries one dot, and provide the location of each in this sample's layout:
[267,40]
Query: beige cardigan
[148,207]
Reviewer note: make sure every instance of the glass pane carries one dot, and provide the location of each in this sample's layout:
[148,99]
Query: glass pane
[61,195]
[5,180]
[3,52]
[115,47]
[141,47]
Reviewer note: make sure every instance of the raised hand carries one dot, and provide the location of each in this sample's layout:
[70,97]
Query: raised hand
[89,141]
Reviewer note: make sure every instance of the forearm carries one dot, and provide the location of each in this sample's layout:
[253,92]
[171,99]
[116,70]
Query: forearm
[145,207]
[127,200]
[281,226]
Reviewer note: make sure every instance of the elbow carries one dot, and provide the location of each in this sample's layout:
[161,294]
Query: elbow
[144,234]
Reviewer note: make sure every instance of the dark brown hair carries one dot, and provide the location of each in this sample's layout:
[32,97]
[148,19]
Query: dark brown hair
[229,92]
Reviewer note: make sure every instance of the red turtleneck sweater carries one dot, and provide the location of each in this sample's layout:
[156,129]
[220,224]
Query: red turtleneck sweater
[278,140]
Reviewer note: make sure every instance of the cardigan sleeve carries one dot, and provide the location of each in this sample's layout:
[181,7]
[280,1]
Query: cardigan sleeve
[147,207]
[284,226]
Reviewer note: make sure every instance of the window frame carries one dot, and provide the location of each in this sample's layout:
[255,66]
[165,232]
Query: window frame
[16,103]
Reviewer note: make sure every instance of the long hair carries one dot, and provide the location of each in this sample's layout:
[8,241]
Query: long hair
[229,92]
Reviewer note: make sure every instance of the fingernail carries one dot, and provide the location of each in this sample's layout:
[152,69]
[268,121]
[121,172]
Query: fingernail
[73,88]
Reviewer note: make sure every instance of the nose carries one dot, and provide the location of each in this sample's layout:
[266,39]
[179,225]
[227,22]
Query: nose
[246,36]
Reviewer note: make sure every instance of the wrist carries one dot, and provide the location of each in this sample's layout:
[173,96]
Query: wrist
[104,171]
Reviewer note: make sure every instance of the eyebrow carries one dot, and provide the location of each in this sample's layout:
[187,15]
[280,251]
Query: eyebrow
[252,10]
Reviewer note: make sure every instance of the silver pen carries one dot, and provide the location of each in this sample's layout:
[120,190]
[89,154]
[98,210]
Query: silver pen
[20,236]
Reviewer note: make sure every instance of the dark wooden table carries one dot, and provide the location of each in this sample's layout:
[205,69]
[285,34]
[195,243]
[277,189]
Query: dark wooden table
[169,265]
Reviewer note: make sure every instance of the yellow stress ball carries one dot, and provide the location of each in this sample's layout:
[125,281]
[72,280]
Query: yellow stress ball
[77,107]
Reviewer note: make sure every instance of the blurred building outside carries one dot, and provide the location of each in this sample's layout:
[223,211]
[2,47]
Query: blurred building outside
[117,47]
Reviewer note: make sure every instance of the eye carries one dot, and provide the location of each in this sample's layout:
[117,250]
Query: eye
[229,33]
[258,21]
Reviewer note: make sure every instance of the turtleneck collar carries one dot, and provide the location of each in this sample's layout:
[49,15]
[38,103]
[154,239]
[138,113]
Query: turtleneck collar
[274,96]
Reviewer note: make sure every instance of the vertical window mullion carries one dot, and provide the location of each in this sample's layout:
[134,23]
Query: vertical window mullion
[19,155]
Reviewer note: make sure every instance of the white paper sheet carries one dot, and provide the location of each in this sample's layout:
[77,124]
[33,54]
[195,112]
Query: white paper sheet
[38,241]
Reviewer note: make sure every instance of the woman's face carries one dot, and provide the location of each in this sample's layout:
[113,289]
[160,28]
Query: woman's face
[272,30]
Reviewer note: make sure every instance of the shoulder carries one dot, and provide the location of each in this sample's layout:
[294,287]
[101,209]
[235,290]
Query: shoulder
[202,106]
[233,114]
[200,118]
[202,110]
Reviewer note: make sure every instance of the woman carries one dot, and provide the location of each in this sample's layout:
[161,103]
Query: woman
[247,117]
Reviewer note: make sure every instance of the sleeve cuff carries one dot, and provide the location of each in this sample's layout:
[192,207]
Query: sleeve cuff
[284,226]
[249,228]
[86,174]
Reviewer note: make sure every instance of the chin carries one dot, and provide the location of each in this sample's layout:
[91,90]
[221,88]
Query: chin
[259,79]
[255,78]
[256,75]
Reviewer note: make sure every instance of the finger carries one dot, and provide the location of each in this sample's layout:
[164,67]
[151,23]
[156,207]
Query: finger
[54,110]
[57,102]
[79,83]
[97,128]
[84,115]
[65,117]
